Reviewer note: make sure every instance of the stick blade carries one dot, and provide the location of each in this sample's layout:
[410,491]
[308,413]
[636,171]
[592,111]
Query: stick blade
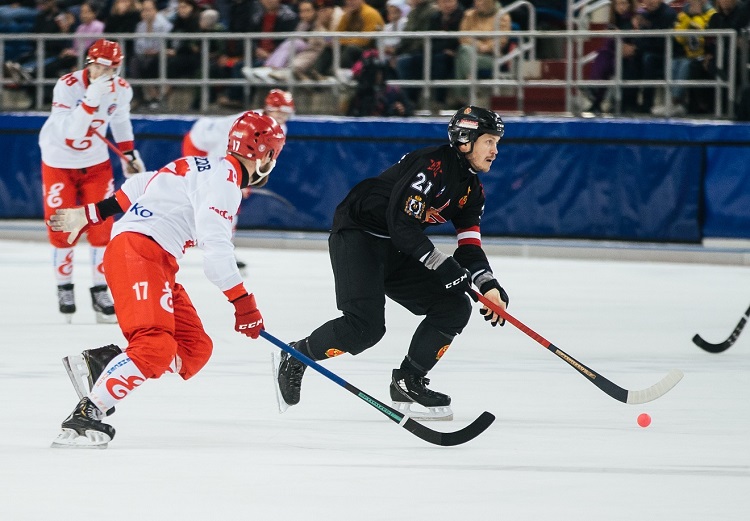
[451,439]
[657,390]
[712,348]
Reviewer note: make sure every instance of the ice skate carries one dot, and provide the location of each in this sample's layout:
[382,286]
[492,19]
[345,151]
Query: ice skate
[288,379]
[84,369]
[241,265]
[66,300]
[83,429]
[103,306]
[408,389]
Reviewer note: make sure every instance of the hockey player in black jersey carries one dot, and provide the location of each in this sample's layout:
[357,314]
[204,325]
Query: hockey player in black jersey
[379,249]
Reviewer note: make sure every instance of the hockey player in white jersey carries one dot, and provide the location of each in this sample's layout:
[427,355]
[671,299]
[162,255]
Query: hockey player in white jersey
[76,168]
[192,201]
[208,134]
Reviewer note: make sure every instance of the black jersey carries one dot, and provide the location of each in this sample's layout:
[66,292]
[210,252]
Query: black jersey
[427,187]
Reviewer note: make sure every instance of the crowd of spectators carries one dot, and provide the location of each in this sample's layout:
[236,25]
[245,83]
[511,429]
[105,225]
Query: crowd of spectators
[307,58]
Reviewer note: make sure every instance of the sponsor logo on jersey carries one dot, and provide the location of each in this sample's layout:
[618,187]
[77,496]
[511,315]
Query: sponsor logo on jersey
[330,353]
[120,387]
[141,211]
[415,207]
[462,201]
[111,109]
[224,214]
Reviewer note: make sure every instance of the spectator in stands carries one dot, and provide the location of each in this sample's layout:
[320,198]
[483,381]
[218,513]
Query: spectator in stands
[60,56]
[396,13]
[410,61]
[184,56]
[447,18]
[276,66]
[209,21]
[265,16]
[730,14]
[17,16]
[327,18]
[603,67]
[373,96]
[358,17]
[650,51]
[89,25]
[694,15]
[483,17]
[123,18]
[145,62]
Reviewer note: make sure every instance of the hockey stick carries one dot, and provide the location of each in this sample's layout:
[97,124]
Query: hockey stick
[446,439]
[657,390]
[726,344]
[115,149]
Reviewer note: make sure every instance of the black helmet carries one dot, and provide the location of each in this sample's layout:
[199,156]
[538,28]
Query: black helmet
[471,122]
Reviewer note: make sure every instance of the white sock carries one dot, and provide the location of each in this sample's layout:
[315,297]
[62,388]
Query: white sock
[97,266]
[62,260]
[116,381]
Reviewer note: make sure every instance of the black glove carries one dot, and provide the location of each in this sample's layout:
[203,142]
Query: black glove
[455,278]
[487,312]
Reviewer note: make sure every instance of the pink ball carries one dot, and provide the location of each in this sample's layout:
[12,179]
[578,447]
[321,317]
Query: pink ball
[644,420]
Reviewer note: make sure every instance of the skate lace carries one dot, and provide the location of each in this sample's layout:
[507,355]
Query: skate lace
[66,296]
[92,411]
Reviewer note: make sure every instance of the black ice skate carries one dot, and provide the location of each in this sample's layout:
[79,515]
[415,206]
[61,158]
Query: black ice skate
[84,369]
[83,429]
[103,306]
[288,372]
[66,300]
[407,388]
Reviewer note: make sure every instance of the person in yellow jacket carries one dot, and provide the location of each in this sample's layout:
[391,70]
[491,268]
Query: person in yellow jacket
[695,14]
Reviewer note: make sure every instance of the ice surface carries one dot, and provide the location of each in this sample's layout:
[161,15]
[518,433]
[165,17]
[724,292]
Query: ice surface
[216,448]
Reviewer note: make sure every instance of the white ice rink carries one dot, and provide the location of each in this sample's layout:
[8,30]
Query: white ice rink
[216,448]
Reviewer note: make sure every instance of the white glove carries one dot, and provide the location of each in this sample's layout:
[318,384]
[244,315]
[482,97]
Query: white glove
[96,89]
[74,220]
[134,165]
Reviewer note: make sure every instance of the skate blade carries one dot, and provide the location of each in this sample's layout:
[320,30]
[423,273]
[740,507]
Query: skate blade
[275,361]
[101,318]
[78,372]
[67,318]
[424,413]
[70,439]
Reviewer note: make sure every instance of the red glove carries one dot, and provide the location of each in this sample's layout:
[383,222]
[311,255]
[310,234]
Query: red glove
[248,319]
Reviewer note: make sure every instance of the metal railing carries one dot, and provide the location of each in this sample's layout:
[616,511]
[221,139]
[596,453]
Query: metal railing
[515,79]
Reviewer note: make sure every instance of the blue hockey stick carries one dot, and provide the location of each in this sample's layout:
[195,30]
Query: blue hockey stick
[445,439]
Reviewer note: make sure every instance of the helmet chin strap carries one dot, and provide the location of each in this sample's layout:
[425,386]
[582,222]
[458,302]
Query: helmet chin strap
[260,173]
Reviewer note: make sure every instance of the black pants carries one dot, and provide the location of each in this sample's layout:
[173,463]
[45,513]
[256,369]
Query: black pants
[366,270]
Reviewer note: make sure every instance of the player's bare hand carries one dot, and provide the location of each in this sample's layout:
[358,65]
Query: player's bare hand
[498,296]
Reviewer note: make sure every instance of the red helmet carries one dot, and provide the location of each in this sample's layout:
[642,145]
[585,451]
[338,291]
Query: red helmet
[105,52]
[280,100]
[255,135]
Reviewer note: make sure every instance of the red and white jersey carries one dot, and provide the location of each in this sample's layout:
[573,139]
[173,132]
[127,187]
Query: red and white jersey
[211,134]
[66,140]
[192,201]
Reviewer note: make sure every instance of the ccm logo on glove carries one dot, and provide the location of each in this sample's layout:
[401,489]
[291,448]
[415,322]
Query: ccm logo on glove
[248,319]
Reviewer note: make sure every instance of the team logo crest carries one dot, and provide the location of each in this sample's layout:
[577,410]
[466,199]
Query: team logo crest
[442,351]
[111,109]
[330,353]
[415,207]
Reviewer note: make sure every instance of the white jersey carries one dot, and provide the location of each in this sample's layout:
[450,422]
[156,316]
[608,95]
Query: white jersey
[66,140]
[211,134]
[192,201]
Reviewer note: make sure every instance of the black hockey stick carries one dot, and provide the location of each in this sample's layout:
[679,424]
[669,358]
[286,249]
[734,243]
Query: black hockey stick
[657,390]
[446,439]
[726,344]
